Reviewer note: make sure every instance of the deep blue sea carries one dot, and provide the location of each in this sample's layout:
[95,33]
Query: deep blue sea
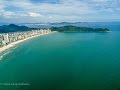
[64,61]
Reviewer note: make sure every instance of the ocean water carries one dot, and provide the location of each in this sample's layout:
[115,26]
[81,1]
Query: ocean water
[64,61]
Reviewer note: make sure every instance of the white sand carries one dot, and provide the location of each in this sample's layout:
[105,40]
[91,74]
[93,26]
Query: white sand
[17,42]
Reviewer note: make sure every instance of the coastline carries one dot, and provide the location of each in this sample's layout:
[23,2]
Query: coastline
[4,48]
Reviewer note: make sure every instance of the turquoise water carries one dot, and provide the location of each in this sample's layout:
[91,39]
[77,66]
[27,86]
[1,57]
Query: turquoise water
[64,61]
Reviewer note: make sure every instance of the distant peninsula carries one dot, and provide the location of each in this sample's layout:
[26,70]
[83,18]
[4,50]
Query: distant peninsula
[71,28]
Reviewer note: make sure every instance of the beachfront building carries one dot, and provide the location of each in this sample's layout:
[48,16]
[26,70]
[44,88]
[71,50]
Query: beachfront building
[1,39]
[6,38]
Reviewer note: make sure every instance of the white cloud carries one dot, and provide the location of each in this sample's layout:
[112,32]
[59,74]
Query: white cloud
[65,10]
[7,14]
[101,1]
[34,14]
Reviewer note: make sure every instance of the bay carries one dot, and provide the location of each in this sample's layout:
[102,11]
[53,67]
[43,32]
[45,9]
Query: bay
[64,61]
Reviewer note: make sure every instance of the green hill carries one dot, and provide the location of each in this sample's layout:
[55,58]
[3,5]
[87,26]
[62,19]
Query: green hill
[13,28]
[78,29]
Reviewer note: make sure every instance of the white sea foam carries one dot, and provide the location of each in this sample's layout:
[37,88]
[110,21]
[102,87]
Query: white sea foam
[2,55]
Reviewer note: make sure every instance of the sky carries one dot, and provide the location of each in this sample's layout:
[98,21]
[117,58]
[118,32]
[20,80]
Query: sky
[33,11]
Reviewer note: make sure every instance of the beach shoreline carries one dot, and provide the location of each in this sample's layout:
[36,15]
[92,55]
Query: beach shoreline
[6,47]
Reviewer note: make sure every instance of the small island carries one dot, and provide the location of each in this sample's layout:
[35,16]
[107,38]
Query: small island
[78,29]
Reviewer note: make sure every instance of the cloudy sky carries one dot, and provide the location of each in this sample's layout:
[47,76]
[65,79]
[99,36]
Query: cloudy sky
[59,10]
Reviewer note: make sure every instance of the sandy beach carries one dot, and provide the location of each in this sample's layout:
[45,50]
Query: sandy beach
[2,49]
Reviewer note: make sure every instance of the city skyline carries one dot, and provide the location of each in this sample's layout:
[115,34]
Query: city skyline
[23,11]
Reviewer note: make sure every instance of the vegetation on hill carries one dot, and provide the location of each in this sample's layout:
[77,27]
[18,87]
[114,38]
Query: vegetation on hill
[69,28]
[78,29]
[13,28]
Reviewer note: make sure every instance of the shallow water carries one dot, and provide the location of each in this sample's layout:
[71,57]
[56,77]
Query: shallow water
[64,61]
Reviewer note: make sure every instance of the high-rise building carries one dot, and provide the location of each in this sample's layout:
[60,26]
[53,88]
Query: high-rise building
[6,38]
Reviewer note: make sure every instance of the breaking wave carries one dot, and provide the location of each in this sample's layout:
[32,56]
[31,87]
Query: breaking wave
[3,54]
